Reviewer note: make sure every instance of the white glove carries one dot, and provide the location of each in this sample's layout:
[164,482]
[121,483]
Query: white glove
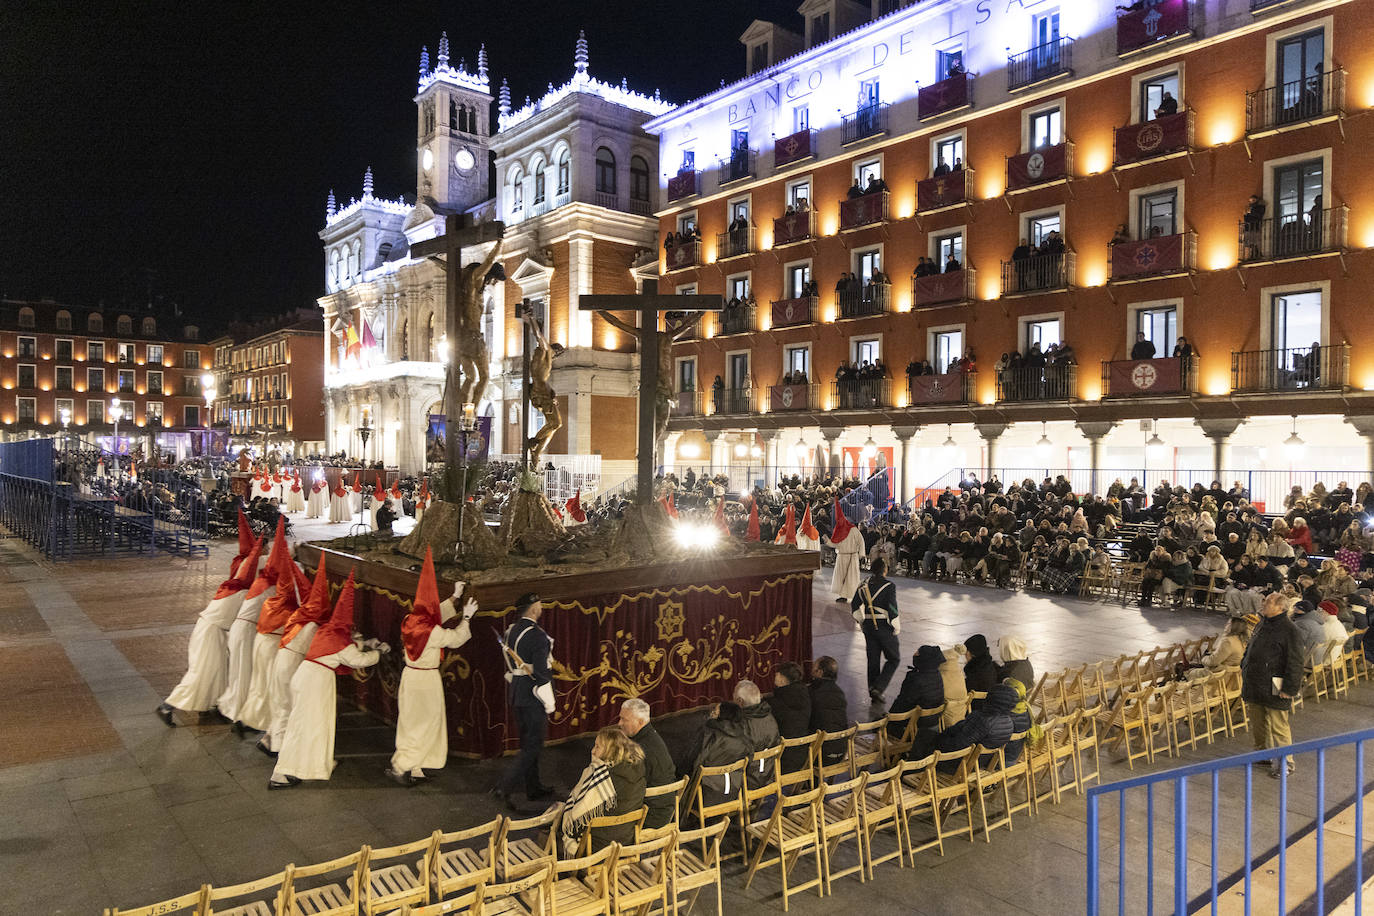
[469,608]
[896,625]
[858,616]
[383,648]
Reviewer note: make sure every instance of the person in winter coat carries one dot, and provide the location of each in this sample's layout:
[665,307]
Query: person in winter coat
[1015,661]
[791,709]
[980,671]
[955,690]
[761,726]
[611,785]
[990,726]
[1274,655]
[829,709]
[723,739]
[922,688]
[1227,652]
[658,762]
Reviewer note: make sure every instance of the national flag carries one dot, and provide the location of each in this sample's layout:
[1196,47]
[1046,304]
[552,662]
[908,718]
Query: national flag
[352,345]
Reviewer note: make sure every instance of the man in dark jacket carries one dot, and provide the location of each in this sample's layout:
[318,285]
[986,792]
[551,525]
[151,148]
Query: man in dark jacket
[791,708]
[658,763]
[1271,674]
[922,688]
[761,726]
[980,671]
[829,710]
[991,726]
[529,644]
[723,740]
[874,607]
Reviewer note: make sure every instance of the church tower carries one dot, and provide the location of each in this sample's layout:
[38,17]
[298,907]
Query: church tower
[453,132]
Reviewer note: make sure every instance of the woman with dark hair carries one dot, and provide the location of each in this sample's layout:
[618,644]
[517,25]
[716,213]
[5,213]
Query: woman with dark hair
[980,671]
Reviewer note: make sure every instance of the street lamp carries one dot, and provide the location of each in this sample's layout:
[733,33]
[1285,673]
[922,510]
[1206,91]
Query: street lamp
[115,413]
[467,424]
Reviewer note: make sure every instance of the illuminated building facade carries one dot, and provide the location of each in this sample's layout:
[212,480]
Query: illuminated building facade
[1098,167]
[269,383]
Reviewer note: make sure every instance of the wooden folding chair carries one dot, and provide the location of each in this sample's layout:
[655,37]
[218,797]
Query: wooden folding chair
[315,890]
[881,807]
[793,830]
[194,903]
[952,790]
[808,747]
[841,818]
[1237,717]
[761,782]
[841,765]
[1213,688]
[689,873]
[263,897]
[866,745]
[527,843]
[397,876]
[464,857]
[639,876]
[633,819]
[468,903]
[731,805]
[1353,658]
[673,789]
[900,732]
[987,777]
[527,896]
[582,887]
[1047,758]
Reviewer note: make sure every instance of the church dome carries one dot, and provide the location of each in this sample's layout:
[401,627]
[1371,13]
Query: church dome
[419,215]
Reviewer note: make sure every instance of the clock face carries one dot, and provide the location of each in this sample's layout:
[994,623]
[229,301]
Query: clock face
[464,160]
[427,160]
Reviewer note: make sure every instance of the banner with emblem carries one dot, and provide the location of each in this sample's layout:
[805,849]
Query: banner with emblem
[791,312]
[943,191]
[860,211]
[1036,167]
[1168,134]
[1155,20]
[789,397]
[938,389]
[791,227]
[792,148]
[1148,256]
[1145,376]
[942,97]
[682,184]
[936,288]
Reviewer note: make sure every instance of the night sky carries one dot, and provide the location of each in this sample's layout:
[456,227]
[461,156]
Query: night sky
[185,149]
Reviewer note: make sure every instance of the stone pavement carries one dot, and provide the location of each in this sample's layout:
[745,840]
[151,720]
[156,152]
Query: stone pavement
[104,805]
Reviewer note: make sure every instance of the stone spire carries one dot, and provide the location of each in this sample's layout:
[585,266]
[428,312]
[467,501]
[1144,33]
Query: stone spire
[331,206]
[443,50]
[482,62]
[503,103]
[580,57]
[424,61]
[367,182]
[463,64]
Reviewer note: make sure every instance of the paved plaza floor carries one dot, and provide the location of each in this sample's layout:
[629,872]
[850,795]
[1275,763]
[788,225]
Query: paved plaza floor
[104,805]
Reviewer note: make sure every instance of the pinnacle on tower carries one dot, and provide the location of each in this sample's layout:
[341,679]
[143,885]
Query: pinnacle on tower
[503,103]
[463,64]
[443,50]
[580,57]
[367,182]
[331,205]
[424,61]
[482,62]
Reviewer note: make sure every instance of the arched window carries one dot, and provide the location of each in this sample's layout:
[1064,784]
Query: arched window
[605,170]
[355,260]
[124,326]
[149,326]
[564,171]
[383,252]
[334,276]
[64,320]
[472,120]
[453,122]
[639,178]
[95,324]
[192,333]
[537,170]
[26,318]
[430,342]
[517,190]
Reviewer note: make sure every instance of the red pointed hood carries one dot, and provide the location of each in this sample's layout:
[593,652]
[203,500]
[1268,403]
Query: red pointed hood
[842,525]
[752,532]
[357,482]
[314,609]
[424,615]
[338,631]
[270,571]
[396,489]
[788,534]
[808,527]
[574,507]
[244,576]
[380,490]
[424,489]
[246,542]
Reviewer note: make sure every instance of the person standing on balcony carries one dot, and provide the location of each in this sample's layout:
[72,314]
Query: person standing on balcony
[1271,673]
[1143,349]
[1253,221]
[1168,105]
[855,190]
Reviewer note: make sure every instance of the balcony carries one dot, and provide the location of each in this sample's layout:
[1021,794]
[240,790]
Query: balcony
[943,290]
[953,93]
[641,206]
[739,167]
[683,255]
[864,124]
[1294,237]
[1139,143]
[1150,25]
[790,228]
[1039,64]
[1033,383]
[1305,101]
[861,394]
[864,210]
[729,401]
[737,319]
[872,299]
[794,148]
[686,404]
[1039,167]
[684,184]
[950,388]
[1040,273]
[735,243]
[1314,368]
[790,313]
[562,199]
[953,189]
[1149,378]
[794,397]
[1151,259]
[608,199]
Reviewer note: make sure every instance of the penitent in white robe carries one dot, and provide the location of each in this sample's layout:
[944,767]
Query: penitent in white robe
[295,500]
[421,723]
[284,665]
[338,508]
[318,504]
[240,677]
[207,660]
[256,712]
[846,578]
[307,750]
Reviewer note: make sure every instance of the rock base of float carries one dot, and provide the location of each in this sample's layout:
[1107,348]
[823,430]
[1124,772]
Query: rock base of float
[529,526]
[645,531]
[438,530]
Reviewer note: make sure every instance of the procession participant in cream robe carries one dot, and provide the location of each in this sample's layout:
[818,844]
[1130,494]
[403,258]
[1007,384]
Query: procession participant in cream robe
[295,498]
[422,500]
[421,722]
[788,533]
[338,504]
[318,504]
[355,495]
[307,750]
[808,538]
[234,700]
[246,543]
[849,546]
[207,652]
[295,642]
[254,712]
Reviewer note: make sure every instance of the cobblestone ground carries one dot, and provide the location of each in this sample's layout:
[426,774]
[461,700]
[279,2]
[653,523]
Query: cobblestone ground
[104,805]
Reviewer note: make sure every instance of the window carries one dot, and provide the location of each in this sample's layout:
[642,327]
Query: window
[1160,327]
[564,172]
[687,374]
[190,359]
[1158,214]
[64,408]
[687,223]
[689,160]
[798,277]
[797,359]
[64,320]
[1038,228]
[538,172]
[1152,92]
[95,324]
[867,263]
[62,349]
[95,411]
[758,58]
[949,150]
[1045,37]
[737,371]
[1298,191]
[947,246]
[1042,331]
[873,168]
[737,287]
[126,381]
[946,347]
[1045,127]
[799,192]
[820,28]
[28,409]
[1299,58]
[152,412]
[1296,320]
[28,347]
[739,209]
[26,318]
[945,61]
[63,378]
[639,178]
[126,352]
[517,190]
[155,383]
[866,350]
[28,376]
[801,118]
[868,94]
[124,325]
[192,415]
[95,380]
[190,386]
[95,351]
[605,171]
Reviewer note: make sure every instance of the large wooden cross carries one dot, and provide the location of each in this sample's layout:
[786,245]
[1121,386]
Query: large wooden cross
[648,305]
[459,233]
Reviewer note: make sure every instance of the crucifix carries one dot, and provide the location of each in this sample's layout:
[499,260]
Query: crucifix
[652,356]
[468,359]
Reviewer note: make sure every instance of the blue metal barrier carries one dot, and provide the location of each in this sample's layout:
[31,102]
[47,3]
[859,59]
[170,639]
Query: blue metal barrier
[1098,801]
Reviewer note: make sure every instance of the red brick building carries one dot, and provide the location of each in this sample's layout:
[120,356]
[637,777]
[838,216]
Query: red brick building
[270,382]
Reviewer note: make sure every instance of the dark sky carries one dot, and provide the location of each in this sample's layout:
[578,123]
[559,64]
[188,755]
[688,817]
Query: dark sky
[187,147]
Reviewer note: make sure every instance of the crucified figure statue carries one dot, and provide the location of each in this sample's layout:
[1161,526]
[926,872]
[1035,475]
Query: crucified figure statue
[470,353]
[541,394]
[674,327]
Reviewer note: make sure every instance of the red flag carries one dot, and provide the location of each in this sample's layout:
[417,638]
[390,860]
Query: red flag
[752,532]
[574,507]
[369,342]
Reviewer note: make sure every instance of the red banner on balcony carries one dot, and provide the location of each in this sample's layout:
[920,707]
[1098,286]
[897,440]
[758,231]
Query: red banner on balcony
[682,185]
[944,96]
[792,148]
[683,254]
[937,288]
[861,211]
[791,227]
[1036,167]
[1149,256]
[1153,138]
[790,312]
[1154,21]
[944,191]
[938,389]
[1144,376]
[789,397]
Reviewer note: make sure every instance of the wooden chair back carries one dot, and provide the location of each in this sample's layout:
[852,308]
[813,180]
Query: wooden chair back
[634,819]
[315,890]
[195,902]
[251,896]
[397,876]
[527,843]
[462,857]
[804,775]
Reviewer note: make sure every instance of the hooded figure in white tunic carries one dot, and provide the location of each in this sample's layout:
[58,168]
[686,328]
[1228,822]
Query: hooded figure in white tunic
[207,653]
[421,723]
[318,504]
[338,504]
[808,538]
[295,642]
[295,498]
[307,750]
[240,645]
[849,546]
[254,712]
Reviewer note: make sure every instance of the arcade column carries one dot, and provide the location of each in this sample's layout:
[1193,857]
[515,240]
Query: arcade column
[904,434]
[990,432]
[1219,430]
[1094,431]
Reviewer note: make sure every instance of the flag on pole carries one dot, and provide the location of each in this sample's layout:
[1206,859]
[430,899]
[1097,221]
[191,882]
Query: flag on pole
[352,345]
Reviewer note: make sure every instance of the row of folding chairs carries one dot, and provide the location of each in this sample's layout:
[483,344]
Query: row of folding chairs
[1101,683]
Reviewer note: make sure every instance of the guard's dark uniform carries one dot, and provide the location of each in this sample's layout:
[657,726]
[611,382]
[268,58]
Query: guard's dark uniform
[877,613]
[531,643]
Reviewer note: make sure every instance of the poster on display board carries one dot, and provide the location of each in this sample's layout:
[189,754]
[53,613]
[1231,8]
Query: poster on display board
[436,439]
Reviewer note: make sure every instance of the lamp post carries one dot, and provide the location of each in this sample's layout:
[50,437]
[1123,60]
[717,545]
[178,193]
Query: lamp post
[207,388]
[115,413]
[66,417]
[364,433]
[466,425]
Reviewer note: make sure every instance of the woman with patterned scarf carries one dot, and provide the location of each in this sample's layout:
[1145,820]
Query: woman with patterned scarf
[612,784]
